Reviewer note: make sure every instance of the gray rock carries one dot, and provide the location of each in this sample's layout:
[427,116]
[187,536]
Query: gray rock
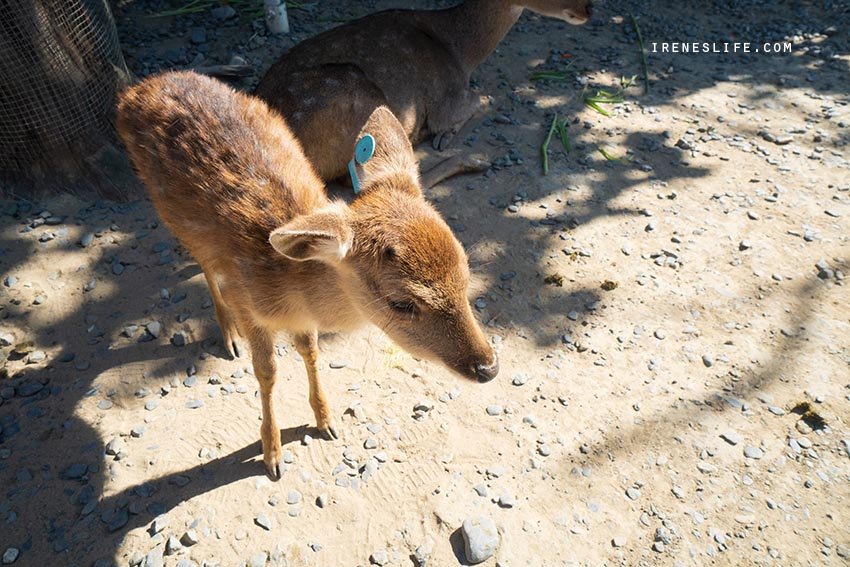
[752,452]
[159,523]
[259,559]
[423,553]
[115,446]
[263,521]
[154,558]
[506,501]
[480,539]
[293,497]
[172,545]
[223,13]
[10,555]
[633,493]
[154,328]
[708,360]
[370,443]
[731,437]
[378,558]
[494,409]
[190,538]
[618,541]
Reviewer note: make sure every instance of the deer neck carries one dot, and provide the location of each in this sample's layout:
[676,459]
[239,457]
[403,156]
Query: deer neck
[473,29]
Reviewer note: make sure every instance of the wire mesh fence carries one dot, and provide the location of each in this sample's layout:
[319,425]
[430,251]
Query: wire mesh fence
[60,69]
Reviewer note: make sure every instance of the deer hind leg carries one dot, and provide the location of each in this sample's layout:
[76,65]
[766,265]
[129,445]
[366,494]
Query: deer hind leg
[455,165]
[262,357]
[229,330]
[307,345]
[452,115]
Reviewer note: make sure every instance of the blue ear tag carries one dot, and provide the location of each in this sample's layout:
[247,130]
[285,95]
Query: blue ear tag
[363,152]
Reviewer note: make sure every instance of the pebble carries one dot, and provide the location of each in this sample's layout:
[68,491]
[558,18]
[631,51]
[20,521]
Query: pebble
[480,539]
[190,538]
[154,328]
[494,409]
[378,558]
[660,334]
[293,497]
[752,452]
[10,555]
[708,360]
[519,379]
[337,364]
[115,446]
[731,437]
[159,523]
[370,443]
[263,521]
[506,501]
[633,493]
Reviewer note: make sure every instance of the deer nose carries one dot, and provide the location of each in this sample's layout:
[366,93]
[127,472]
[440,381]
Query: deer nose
[486,373]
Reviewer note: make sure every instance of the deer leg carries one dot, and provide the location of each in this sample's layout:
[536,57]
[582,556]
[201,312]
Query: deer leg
[262,356]
[455,165]
[229,330]
[307,345]
[451,117]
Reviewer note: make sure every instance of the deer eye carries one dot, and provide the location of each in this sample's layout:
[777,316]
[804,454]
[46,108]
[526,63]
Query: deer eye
[403,307]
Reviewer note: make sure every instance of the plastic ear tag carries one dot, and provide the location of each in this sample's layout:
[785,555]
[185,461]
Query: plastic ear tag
[363,152]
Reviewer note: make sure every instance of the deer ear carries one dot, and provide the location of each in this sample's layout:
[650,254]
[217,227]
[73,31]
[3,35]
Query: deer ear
[393,153]
[324,236]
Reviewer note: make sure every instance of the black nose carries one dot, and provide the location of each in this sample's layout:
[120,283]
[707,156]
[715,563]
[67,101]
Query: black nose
[486,373]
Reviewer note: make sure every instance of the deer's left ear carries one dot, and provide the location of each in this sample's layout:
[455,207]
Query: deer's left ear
[393,153]
[324,236]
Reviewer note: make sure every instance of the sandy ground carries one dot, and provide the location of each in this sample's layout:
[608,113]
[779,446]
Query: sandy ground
[693,410]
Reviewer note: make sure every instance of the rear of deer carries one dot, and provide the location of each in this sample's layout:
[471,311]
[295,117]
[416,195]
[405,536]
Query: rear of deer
[416,62]
[231,182]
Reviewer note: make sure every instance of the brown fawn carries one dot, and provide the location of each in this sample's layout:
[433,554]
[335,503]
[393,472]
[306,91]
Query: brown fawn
[416,62]
[231,182]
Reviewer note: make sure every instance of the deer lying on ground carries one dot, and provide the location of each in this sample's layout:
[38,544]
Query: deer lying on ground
[231,182]
[416,62]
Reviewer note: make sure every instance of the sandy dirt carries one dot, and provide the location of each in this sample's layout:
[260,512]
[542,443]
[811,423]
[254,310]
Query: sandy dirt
[673,332]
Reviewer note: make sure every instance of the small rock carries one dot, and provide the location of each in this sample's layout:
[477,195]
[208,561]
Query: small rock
[378,558]
[752,452]
[633,493]
[480,539]
[506,501]
[263,521]
[10,555]
[293,497]
[494,409]
[731,437]
[190,538]
[154,328]
[618,541]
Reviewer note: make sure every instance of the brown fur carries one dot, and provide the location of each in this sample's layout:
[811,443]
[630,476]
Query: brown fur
[231,182]
[416,62]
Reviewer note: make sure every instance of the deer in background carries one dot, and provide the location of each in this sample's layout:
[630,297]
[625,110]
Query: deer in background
[416,62]
[231,182]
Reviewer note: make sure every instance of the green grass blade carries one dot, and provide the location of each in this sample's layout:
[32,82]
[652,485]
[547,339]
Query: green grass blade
[544,149]
[642,55]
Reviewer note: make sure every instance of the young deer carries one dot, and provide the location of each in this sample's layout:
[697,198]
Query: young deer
[416,62]
[230,181]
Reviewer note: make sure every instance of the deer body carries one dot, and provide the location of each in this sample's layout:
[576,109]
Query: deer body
[231,182]
[416,62]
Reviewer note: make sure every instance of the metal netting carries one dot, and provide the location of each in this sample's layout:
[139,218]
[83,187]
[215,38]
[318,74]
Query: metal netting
[60,68]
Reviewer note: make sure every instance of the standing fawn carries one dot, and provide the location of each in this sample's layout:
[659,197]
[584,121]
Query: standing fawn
[416,62]
[230,181]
